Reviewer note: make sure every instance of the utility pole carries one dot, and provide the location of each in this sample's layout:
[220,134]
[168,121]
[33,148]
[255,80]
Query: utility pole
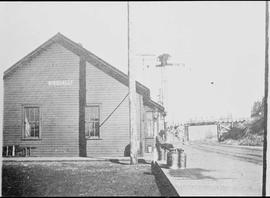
[132,95]
[266,147]
[163,96]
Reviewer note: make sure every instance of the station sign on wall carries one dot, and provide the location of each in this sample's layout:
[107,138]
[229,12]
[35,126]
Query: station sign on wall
[60,83]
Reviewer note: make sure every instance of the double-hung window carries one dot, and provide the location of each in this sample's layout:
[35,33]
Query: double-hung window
[31,120]
[92,121]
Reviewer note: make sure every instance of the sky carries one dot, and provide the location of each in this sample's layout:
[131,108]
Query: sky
[219,42]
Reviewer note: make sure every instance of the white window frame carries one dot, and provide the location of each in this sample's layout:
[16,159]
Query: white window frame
[95,122]
[24,107]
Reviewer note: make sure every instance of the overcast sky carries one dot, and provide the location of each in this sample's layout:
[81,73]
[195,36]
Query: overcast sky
[219,42]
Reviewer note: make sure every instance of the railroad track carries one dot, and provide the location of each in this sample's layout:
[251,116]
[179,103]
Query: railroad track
[244,154]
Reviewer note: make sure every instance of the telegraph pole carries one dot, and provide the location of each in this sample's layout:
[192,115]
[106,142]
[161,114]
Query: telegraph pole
[266,148]
[163,59]
[132,97]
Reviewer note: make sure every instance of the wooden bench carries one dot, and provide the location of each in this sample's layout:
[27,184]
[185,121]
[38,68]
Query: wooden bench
[15,150]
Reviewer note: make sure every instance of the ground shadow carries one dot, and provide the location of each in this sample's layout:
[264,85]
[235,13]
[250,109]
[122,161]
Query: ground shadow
[142,161]
[148,173]
[191,174]
[163,166]
[116,161]
[127,151]
[164,186]
[127,162]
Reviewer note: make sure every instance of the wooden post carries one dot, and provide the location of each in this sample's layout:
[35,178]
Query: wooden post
[82,103]
[132,97]
[13,150]
[7,151]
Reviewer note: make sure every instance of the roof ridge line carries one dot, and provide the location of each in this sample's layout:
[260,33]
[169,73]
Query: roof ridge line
[99,59]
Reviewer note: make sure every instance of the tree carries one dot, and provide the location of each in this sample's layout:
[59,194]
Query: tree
[257,116]
[258,109]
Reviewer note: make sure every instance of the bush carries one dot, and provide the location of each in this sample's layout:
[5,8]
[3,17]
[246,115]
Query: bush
[256,126]
[235,133]
[252,140]
[247,133]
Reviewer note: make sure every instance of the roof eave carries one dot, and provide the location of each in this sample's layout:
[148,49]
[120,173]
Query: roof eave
[152,104]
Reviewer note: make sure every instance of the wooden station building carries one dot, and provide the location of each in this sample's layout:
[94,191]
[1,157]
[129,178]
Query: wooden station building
[62,100]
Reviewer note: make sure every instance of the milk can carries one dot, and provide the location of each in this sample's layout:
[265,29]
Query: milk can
[172,159]
[164,154]
[182,158]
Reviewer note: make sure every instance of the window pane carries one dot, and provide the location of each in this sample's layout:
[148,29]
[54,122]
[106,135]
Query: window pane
[92,119]
[97,129]
[87,129]
[37,130]
[32,134]
[36,114]
[27,114]
[31,122]
[31,114]
[94,113]
[27,126]
[87,115]
[92,129]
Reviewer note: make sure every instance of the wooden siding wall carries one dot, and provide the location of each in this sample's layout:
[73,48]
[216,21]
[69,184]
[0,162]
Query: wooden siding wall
[59,106]
[106,91]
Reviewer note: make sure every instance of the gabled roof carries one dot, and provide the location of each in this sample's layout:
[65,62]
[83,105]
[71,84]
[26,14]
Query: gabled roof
[89,57]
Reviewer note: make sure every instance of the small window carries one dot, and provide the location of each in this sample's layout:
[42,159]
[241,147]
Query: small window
[31,127]
[92,119]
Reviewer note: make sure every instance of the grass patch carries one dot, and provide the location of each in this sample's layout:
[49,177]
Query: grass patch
[27,179]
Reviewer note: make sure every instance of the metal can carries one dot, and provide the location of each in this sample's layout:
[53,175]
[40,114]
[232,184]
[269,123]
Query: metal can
[172,159]
[182,159]
[164,154]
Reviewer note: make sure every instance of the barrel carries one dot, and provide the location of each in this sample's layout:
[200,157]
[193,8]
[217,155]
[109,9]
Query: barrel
[160,154]
[172,159]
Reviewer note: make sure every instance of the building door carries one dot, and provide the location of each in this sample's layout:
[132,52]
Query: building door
[149,125]
[149,132]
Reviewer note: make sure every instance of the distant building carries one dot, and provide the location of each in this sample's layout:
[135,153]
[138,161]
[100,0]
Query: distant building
[209,129]
[203,132]
[62,100]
